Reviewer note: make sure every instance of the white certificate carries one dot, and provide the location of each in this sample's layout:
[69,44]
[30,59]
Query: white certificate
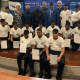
[67,42]
[23,47]
[35,54]
[53,59]
[30,35]
[15,44]
[4,44]
[77,38]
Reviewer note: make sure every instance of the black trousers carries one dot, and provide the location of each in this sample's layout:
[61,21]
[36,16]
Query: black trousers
[42,61]
[60,64]
[26,60]
[75,46]
[8,42]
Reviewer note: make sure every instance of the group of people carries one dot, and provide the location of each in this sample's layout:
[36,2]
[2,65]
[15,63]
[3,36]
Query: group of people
[45,30]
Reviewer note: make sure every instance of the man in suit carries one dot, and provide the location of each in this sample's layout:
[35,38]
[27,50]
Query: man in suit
[37,16]
[27,16]
[52,14]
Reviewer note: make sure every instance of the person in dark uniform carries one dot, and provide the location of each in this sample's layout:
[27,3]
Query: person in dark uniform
[25,40]
[52,15]
[60,8]
[44,10]
[39,43]
[27,16]
[57,47]
[37,16]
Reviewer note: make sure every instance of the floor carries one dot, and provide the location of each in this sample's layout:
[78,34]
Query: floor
[20,78]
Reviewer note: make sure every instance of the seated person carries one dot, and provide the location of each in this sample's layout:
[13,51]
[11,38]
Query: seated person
[43,29]
[67,32]
[4,30]
[57,47]
[76,31]
[15,32]
[27,41]
[50,28]
[39,43]
[27,27]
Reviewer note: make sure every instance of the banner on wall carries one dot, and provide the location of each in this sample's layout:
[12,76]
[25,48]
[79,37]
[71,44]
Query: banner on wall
[12,5]
[33,2]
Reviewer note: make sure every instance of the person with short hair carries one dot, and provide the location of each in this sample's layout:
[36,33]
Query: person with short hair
[55,45]
[8,17]
[76,16]
[17,15]
[4,30]
[27,41]
[39,43]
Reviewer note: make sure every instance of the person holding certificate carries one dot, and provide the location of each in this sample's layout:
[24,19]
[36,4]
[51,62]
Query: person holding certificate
[25,48]
[39,43]
[4,30]
[57,47]
[67,33]
[76,38]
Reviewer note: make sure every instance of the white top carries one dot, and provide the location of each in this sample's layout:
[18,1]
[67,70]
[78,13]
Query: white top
[15,33]
[29,29]
[27,41]
[66,33]
[65,14]
[76,31]
[50,29]
[4,31]
[8,18]
[43,30]
[1,14]
[40,42]
[75,16]
[55,45]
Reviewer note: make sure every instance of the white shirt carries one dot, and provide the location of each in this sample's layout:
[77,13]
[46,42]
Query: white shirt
[66,33]
[1,14]
[50,29]
[27,41]
[4,31]
[15,33]
[43,30]
[55,45]
[29,29]
[8,18]
[65,15]
[76,31]
[75,16]
[40,42]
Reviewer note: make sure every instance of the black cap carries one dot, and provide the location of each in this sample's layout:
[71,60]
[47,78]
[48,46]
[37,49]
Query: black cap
[55,30]
[66,4]
[14,23]
[41,22]
[2,20]
[77,6]
[39,29]
[26,32]
[7,7]
[51,4]
[67,23]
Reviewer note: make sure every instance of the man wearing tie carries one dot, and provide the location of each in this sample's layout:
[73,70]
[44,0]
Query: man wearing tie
[52,15]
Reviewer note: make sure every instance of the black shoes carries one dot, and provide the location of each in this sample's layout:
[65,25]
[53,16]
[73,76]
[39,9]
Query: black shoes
[47,76]
[20,72]
[32,73]
[40,73]
[58,77]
